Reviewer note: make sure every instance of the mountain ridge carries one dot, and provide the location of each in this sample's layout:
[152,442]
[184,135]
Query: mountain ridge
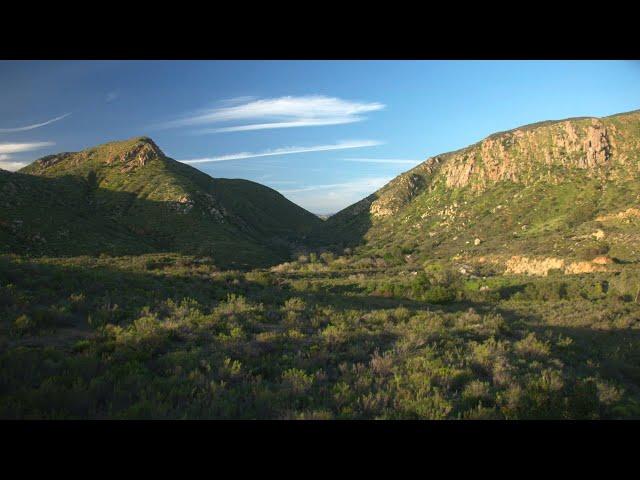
[178,207]
[567,168]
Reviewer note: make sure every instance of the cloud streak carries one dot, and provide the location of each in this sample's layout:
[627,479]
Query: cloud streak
[383,160]
[112,96]
[357,185]
[281,112]
[287,151]
[9,165]
[6,148]
[35,125]
[6,163]
[330,198]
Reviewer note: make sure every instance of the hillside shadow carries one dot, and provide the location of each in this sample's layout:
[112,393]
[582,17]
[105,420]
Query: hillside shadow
[81,297]
[73,216]
[345,229]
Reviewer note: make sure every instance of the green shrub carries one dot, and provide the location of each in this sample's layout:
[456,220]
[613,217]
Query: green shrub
[439,294]
[627,285]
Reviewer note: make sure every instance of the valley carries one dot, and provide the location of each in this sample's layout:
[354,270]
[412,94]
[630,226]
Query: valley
[499,281]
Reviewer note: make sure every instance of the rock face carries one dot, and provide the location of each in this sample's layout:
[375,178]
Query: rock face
[546,192]
[629,213]
[523,155]
[520,265]
[137,156]
[517,155]
[405,188]
[401,190]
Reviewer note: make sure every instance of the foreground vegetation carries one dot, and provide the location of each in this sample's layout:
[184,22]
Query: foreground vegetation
[324,337]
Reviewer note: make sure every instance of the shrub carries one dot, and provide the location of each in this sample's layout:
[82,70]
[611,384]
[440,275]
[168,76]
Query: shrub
[531,347]
[591,251]
[438,295]
[627,285]
[327,257]
[23,325]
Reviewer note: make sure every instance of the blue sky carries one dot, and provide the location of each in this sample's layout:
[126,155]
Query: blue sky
[323,133]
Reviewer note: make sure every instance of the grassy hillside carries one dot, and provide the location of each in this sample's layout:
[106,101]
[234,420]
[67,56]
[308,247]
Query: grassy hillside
[128,198]
[554,189]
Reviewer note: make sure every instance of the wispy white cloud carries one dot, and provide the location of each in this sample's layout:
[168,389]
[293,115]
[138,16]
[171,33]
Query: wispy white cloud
[287,151]
[331,198]
[6,161]
[281,112]
[35,125]
[9,165]
[357,185]
[383,160]
[7,148]
[112,96]
[282,182]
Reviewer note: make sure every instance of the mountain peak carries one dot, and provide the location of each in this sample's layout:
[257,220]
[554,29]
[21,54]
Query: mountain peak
[128,154]
[132,153]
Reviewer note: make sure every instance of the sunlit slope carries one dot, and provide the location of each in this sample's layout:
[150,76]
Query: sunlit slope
[559,188]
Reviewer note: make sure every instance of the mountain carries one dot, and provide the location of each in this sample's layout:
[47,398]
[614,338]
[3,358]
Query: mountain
[566,189]
[129,198]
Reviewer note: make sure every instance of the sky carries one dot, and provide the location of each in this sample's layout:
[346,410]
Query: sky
[323,133]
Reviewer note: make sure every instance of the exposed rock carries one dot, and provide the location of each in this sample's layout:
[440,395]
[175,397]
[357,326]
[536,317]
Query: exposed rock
[602,260]
[625,214]
[509,155]
[183,205]
[519,265]
[583,267]
[405,187]
[50,160]
[142,152]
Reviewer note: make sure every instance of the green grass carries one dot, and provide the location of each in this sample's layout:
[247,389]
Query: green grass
[166,336]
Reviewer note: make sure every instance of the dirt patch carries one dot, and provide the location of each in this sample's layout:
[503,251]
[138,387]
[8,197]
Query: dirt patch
[623,215]
[519,265]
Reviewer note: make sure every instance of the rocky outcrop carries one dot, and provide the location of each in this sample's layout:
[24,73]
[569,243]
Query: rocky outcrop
[403,189]
[50,160]
[520,265]
[523,154]
[629,213]
[137,156]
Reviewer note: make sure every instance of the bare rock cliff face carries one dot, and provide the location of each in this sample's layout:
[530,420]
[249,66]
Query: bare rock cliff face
[401,190]
[517,155]
[549,150]
[138,155]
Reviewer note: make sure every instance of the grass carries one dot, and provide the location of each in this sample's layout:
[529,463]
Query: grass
[169,336]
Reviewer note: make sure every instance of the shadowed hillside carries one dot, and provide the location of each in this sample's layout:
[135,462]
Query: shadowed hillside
[128,197]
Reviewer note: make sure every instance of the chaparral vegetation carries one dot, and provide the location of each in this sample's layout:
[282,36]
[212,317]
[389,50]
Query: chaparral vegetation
[496,282]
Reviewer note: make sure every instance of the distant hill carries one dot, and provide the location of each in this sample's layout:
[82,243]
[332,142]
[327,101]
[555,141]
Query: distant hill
[128,198]
[566,189]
